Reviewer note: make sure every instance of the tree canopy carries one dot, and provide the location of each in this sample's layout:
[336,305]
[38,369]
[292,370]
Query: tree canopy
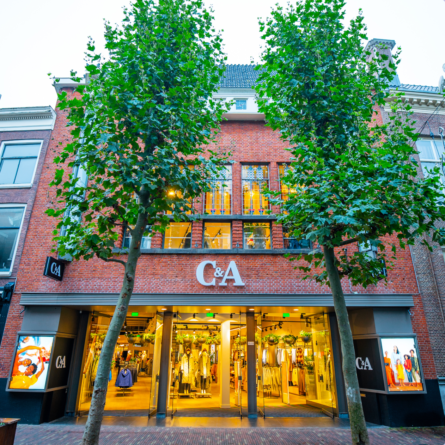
[353,176]
[141,123]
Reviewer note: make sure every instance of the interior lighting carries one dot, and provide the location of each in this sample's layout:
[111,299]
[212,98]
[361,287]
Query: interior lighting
[276,327]
[194,318]
[251,309]
[164,309]
[208,309]
[295,309]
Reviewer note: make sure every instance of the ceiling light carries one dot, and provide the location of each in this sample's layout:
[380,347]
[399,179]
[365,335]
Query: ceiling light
[194,318]
[295,309]
[276,327]
[208,309]
[164,309]
[251,309]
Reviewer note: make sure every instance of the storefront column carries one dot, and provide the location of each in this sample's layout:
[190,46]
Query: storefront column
[165,364]
[224,366]
[252,409]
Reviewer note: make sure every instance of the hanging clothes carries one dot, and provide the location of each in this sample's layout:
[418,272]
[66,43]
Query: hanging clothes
[188,368]
[204,364]
[294,356]
[295,376]
[124,379]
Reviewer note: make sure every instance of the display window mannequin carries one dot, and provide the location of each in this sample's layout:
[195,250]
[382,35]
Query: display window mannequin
[204,370]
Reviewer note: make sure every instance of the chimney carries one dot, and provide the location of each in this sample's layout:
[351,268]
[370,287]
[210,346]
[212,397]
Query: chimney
[383,46]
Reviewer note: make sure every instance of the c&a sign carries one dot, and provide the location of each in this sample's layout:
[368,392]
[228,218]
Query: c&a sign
[230,274]
[54,269]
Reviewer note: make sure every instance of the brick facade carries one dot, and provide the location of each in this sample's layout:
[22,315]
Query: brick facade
[249,142]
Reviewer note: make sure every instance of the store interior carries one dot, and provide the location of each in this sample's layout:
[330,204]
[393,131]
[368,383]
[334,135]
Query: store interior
[208,364]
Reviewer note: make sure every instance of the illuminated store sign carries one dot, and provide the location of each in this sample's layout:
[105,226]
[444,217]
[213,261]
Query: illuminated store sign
[230,274]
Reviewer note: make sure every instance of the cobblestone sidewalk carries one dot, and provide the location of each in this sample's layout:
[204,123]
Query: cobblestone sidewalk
[112,435]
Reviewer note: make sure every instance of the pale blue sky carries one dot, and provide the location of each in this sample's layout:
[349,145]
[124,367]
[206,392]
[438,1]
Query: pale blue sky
[38,37]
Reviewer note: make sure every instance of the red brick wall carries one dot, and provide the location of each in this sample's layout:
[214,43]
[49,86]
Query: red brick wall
[158,273]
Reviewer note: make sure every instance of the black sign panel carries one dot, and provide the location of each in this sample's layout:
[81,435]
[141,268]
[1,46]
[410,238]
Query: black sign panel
[369,364]
[54,269]
[60,362]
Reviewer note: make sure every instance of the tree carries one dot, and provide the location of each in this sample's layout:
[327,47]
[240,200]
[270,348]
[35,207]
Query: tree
[140,126]
[352,176]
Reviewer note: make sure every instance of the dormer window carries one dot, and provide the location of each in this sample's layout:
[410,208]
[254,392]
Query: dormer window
[241,104]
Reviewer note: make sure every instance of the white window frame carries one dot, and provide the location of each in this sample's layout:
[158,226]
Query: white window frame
[2,206]
[240,98]
[21,142]
[433,162]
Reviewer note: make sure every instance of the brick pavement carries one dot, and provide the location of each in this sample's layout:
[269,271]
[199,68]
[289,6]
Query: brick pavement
[112,435]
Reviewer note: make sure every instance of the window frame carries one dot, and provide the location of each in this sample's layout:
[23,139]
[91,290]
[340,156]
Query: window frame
[127,231]
[231,193]
[284,230]
[267,164]
[256,222]
[216,222]
[21,142]
[426,162]
[24,206]
[191,236]
[236,99]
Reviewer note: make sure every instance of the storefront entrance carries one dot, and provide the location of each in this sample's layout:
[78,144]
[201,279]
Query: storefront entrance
[200,364]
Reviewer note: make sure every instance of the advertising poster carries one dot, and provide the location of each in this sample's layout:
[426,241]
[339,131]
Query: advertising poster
[31,363]
[402,366]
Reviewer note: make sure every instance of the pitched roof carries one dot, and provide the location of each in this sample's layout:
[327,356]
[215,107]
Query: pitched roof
[245,76]
[239,76]
[418,88]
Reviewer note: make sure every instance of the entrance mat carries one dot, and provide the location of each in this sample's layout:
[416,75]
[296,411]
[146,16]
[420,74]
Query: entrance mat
[293,411]
[207,412]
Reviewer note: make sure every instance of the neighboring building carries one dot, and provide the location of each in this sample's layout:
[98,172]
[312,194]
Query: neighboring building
[428,107]
[24,139]
[199,278]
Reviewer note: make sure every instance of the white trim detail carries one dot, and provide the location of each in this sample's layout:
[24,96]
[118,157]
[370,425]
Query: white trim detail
[27,119]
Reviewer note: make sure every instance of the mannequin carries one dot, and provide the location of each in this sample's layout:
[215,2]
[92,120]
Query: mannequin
[204,370]
[187,371]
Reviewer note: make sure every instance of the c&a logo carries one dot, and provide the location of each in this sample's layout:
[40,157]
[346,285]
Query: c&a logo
[363,365]
[219,273]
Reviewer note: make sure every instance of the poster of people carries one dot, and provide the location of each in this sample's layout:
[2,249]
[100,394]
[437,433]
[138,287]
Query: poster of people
[402,367]
[32,358]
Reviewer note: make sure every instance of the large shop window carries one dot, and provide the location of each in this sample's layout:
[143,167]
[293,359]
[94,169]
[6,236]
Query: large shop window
[290,242]
[255,180]
[178,194]
[257,236]
[10,222]
[217,236]
[146,240]
[178,236]
[430,154]
[18,163]
[218,201]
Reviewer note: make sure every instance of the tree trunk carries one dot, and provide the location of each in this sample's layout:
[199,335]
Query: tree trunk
[357,419]
[96,413]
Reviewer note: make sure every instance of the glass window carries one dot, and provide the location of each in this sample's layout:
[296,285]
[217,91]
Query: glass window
[430,154]
[255,179]
[146,240]
[10,222]
[217,235]
[285,190]
[178,236]
[290,242]
[18,163]
[218,201]
[241,104]
[172,194]
[257,236]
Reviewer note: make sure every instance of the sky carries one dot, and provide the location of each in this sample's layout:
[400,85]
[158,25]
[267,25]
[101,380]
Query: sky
[50,36]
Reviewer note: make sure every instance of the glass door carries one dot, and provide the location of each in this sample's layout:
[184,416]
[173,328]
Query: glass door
[154,366]
[320,381]
[238,361]
[259,367]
